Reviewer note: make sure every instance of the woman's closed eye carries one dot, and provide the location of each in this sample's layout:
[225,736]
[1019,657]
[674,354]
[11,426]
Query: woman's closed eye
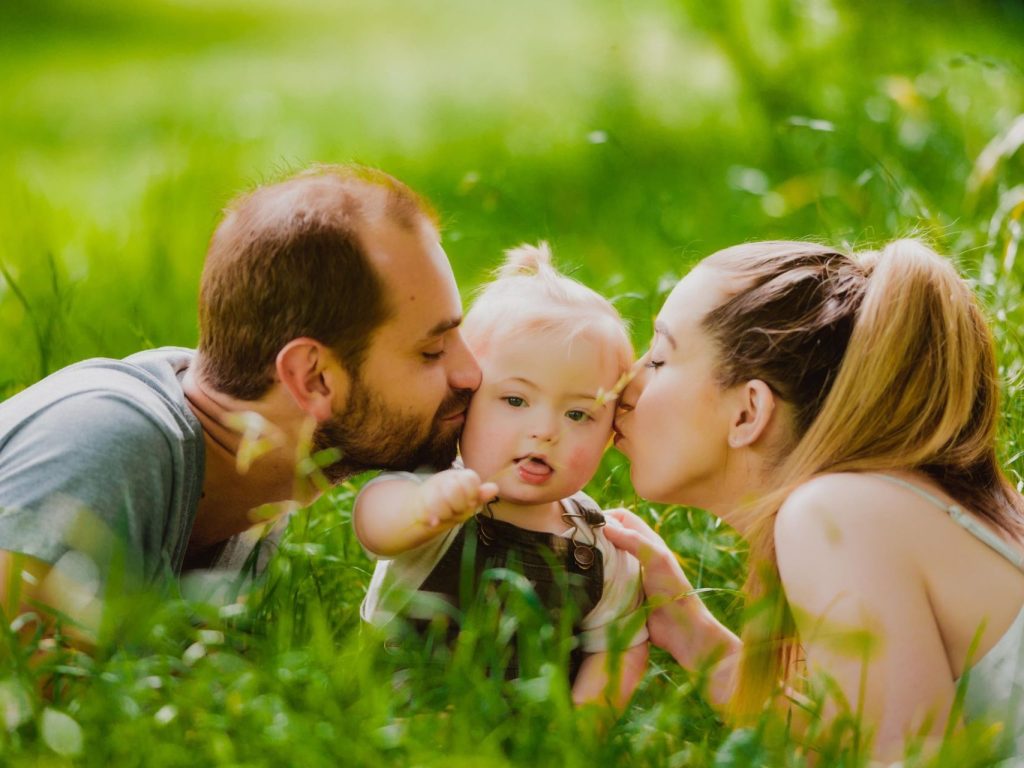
[650,358]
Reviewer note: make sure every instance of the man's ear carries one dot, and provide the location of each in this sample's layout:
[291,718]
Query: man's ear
[754,406]
[313,376]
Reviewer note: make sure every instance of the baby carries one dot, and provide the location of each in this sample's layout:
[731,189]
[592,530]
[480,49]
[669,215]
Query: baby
[550,351]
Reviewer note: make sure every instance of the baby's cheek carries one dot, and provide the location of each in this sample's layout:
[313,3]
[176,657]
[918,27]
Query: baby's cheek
[483,447]
[472,441]
[585,458]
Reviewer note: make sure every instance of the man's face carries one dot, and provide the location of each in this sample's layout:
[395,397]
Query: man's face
[406,405]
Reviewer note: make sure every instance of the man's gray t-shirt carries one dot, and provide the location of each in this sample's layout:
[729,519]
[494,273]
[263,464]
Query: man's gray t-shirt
[103,458]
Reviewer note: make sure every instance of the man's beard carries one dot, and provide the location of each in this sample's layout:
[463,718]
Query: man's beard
[370,435]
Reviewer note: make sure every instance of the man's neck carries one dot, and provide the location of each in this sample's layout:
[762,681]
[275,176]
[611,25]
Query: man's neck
[250,461]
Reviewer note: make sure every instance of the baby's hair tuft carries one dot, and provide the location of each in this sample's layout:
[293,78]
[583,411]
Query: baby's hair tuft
[530,295]
[525,260]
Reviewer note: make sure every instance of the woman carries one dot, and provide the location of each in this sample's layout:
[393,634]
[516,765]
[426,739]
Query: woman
[840,412]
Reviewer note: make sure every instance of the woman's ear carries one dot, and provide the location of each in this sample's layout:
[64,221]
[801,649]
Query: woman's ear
[754,406]
[314,377]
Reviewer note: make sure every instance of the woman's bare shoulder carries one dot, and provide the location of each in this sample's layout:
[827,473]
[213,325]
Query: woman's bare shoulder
[844,534]
[847,514]
[841,498]
[852,499]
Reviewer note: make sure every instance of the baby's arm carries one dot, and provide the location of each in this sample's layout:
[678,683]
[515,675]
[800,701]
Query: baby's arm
[395,515]
[595,683]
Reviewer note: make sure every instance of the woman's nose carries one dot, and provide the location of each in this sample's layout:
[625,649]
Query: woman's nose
[627,400]
[622,410]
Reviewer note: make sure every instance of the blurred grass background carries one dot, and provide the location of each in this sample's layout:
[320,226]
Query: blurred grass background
[635,136]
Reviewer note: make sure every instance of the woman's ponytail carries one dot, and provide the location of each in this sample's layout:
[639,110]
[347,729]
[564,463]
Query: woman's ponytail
[910,384]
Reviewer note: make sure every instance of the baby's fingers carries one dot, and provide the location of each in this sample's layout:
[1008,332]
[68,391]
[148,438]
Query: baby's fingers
[487,492]
[461,492]
[434,503]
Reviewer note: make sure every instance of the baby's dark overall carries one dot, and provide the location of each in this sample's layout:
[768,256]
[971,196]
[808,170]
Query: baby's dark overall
[564,572]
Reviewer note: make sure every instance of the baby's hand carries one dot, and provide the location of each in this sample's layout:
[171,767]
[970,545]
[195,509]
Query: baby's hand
[453,496]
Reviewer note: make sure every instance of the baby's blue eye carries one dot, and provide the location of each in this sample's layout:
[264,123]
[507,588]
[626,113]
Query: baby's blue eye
[578,415]
[514,401]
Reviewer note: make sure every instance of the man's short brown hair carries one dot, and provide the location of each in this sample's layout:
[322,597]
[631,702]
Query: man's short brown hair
[288,261]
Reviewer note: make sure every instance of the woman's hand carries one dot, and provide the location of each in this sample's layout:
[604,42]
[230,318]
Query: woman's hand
[665,584]
[678,621]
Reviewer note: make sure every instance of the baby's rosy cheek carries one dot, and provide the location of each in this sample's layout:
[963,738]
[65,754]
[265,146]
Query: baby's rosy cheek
[584,458]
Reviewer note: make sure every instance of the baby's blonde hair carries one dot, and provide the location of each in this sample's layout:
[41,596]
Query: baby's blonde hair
[529,295]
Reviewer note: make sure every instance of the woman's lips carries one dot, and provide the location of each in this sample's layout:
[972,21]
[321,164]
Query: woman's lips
[534,471]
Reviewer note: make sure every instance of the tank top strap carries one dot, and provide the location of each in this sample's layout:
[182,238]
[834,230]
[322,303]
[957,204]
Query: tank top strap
[964,520]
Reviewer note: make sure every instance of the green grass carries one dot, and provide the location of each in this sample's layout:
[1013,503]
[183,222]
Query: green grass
[636,137]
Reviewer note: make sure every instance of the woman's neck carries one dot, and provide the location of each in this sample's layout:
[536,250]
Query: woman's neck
[733,496]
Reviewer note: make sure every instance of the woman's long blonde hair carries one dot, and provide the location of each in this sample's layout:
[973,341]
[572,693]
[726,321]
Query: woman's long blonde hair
[887,363]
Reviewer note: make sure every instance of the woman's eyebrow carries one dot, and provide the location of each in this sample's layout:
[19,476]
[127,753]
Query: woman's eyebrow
[660,328]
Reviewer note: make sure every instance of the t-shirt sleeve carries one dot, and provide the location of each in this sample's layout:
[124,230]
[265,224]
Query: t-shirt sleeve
[383,477]
[90,474]
[395,580]
[618,619]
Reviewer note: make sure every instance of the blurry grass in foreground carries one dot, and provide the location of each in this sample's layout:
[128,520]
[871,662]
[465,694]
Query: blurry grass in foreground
[288,677]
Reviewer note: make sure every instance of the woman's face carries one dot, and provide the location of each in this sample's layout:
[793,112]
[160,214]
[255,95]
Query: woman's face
[674,421]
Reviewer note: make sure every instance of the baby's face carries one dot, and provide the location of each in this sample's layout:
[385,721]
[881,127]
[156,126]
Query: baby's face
[534,426]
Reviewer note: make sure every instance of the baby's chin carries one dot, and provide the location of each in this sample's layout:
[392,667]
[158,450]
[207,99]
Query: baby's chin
[514,493]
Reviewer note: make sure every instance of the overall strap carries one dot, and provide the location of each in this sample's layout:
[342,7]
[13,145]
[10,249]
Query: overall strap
[588,514]
[965,521]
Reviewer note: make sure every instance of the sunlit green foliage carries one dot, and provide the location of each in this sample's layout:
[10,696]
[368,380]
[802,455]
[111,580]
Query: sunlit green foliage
[636,137]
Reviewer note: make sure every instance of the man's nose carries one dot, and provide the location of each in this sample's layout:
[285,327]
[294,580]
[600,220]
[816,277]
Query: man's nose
[463,370]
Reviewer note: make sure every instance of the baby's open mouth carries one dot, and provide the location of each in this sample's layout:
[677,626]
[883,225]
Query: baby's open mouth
[537,461]
[533,469]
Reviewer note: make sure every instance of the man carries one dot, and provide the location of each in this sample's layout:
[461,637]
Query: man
[329,326]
